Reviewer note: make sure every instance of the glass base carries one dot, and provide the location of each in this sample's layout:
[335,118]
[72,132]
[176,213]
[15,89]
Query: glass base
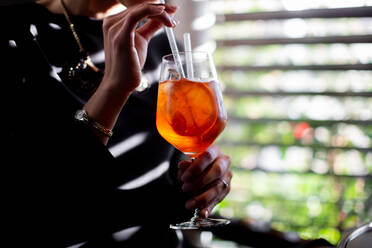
[199,223]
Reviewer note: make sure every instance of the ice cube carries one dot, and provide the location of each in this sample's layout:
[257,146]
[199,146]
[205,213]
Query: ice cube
[173,75]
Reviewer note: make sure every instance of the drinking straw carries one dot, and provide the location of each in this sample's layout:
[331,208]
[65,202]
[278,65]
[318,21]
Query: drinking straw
[188,55]
[173,45]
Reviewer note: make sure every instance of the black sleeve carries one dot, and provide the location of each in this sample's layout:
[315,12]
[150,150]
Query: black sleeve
[59,179]
[60,182]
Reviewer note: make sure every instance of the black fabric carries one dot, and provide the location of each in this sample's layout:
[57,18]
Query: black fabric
[60,182]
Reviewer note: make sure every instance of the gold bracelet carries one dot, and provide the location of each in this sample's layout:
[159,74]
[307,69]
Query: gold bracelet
[81,115]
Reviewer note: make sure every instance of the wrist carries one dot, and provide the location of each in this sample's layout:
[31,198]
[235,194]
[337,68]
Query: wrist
[113,89]
[105,105]
[82,115]
[121,84]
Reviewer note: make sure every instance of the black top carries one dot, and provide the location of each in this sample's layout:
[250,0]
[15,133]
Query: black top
[62,186]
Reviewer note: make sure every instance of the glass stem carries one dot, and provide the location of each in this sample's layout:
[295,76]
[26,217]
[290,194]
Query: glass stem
[196,216]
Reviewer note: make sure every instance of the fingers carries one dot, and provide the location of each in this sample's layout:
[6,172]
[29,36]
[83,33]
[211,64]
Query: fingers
[138,13]
[120,33]
[217,170]
[206,179]
[182,166]
[157,22]
[207,210]
[209,198]
[122,26]
[222,165]
[200,164]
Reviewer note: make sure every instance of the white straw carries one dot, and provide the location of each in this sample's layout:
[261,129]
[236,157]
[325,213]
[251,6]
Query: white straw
[188,55]
[173,45]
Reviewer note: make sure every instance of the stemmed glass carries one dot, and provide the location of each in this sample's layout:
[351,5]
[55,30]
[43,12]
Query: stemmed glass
[190,112]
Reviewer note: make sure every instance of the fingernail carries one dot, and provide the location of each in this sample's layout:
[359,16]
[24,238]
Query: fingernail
[190,204]
[186,187]
[174,21]
[173,7]
[160,8]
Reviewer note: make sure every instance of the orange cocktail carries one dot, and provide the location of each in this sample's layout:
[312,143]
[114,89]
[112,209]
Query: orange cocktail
[189,114]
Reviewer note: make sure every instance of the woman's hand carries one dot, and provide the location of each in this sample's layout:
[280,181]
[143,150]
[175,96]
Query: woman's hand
[204,179]
[125,53]
[126,46]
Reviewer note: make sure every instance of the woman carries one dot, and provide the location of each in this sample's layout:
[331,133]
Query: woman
[63,185]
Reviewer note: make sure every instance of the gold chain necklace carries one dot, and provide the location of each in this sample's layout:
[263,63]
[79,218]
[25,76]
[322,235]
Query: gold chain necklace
[83,77]
[72,27]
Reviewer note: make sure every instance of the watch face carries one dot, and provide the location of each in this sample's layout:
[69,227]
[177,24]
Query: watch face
[80,115]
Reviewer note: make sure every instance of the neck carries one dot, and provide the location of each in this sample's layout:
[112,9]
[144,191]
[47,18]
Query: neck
[93,8]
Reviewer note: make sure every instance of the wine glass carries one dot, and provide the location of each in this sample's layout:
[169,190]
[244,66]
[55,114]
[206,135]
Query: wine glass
[190,112]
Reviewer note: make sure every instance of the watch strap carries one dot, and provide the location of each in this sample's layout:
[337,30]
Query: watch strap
[82,115]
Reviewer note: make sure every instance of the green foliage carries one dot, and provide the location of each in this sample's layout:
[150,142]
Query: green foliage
[292,179]
[331,234]
[308,204]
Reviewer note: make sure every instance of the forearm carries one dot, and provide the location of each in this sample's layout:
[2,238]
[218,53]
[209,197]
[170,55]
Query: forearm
[104,107]
[125,54]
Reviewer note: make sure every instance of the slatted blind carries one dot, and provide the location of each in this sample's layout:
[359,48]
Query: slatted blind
[298,90]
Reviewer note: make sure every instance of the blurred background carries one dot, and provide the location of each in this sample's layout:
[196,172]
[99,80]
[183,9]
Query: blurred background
[297,78]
